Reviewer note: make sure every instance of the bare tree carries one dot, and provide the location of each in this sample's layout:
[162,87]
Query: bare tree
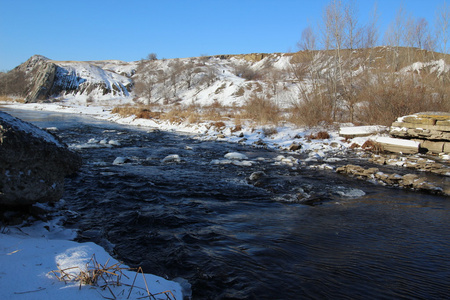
[394,36]
[308,40]
[145,84]
[273,78]
[175,68]
[188,71]
[352,30]
[152,56]
[443,26]
[370,34]
[210,75]
[334,20]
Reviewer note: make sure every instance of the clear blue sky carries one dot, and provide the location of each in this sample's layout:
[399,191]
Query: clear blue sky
[129,30]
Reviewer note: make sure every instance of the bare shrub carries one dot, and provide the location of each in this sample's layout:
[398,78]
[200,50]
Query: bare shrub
[90,99]
[219,125]
[214,111]
[398,95]
[142,112]
[12,99]
[312,111]
[236,128]
[269,131]
[244,70]
[321,135]
[370,145]
[179,114]
[262,110]
[105,277]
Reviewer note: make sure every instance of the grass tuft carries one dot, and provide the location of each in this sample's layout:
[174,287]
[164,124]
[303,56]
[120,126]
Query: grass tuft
[105,277]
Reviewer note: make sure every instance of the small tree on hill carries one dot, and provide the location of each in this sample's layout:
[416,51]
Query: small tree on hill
[152,56]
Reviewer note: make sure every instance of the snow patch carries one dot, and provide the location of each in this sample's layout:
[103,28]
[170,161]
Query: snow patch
[235,156]
[172,158]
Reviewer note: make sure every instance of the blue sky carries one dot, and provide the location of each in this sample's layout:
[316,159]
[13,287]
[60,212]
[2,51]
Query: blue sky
[129,30]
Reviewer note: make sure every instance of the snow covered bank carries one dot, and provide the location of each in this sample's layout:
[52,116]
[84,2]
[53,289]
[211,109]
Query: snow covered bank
[29,254]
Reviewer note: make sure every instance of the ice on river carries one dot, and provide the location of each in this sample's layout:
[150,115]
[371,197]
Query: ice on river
[235,156]
[172,158]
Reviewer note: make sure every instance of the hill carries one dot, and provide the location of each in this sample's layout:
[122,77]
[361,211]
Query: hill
[308,87]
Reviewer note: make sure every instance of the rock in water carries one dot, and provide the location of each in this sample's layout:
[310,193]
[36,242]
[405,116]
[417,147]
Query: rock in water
[33,163]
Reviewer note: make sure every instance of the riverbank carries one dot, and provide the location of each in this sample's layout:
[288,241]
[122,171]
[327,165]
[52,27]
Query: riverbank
[35,253]
[318,150]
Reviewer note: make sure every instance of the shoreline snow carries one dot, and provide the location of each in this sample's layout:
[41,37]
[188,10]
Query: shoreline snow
[30,252]
[281,139]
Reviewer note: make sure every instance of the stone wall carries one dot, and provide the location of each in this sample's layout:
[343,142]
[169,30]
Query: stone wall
[430,129]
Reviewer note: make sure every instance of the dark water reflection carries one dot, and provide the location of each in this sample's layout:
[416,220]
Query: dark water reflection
[232,240]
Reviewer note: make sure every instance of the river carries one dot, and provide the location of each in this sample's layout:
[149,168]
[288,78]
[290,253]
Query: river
[202,219]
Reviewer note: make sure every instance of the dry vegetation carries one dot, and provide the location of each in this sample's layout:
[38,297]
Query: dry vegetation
[105,277]
[11,99]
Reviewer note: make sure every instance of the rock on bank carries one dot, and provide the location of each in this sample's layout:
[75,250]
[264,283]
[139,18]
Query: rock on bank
[33,163]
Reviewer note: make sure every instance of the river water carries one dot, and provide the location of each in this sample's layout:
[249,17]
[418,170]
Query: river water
[231,239]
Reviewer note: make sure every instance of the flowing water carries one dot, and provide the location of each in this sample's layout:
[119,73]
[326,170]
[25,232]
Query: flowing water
[232,239]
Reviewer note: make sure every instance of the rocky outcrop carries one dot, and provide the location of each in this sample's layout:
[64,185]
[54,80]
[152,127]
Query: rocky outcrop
[410,181]
[412,162]
[43,82]
[430,129]
[33,163]
[42,79]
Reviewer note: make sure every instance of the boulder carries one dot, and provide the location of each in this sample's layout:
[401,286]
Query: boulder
[33,163]
[431,129]
[295,147]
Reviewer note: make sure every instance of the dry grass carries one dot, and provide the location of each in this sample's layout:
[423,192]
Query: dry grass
[105,277]
[261,110]
[370,145]
[180,114]
[140,111]
[12,99]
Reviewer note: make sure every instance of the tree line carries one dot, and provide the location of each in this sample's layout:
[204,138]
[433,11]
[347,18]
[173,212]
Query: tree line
[353,79]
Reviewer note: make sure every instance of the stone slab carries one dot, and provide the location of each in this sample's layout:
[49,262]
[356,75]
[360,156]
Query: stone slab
[417,120]
[398,145]
[423,126]
[443,123]
[434,147]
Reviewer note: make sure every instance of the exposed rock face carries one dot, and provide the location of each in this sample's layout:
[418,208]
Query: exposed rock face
[45,78]
[43,82]
[33,163]
[431,129]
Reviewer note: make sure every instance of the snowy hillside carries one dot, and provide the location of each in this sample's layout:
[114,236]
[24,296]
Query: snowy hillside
[365,86]
[79,80]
